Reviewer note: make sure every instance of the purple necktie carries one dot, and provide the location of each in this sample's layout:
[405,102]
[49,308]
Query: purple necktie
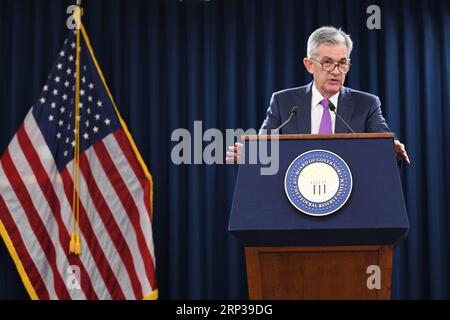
[325,123]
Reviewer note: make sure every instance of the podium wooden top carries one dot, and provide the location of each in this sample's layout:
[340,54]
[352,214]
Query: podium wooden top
[320,136]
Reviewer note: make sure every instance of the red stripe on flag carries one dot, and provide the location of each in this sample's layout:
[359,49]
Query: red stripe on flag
[27,262]
[130,206]
[106,272]
[111,226]
[124,143]
[36,223]
[128,152]
[53,201]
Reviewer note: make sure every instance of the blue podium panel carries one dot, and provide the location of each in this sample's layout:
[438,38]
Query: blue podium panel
[374,213]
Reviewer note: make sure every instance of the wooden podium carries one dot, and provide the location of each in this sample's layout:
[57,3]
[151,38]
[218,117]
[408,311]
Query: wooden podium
[290,255]
[317,273]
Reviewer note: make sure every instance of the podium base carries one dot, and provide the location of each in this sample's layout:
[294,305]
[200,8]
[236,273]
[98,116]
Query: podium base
[319,273]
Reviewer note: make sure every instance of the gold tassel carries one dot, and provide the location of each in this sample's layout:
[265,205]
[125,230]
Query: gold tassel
[72,244]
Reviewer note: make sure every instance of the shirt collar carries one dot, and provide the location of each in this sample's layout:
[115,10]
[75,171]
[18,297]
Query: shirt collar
[317,97]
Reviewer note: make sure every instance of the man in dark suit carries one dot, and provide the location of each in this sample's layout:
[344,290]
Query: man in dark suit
[328,61]
[362,111]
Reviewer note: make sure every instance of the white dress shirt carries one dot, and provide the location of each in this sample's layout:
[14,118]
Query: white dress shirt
[317,110]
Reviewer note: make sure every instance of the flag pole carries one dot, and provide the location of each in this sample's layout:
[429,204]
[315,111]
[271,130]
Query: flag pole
[75,243]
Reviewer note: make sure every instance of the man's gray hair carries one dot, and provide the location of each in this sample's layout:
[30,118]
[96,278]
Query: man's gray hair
[329,35]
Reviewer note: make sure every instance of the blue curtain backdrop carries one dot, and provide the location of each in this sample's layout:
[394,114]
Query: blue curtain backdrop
[171,62]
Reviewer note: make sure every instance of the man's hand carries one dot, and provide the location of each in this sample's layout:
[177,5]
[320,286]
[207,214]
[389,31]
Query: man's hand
[234,153]
[401,151]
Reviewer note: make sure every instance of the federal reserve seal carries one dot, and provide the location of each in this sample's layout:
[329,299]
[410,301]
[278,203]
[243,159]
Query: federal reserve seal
[318,183]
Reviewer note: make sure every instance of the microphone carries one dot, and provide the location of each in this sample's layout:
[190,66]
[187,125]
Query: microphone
[292,115]
[333,108]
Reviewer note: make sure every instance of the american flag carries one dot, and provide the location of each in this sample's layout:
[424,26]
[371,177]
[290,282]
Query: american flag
[117,259]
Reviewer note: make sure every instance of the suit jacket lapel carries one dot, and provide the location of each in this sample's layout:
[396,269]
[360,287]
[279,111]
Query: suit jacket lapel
[304,114]
[345,110]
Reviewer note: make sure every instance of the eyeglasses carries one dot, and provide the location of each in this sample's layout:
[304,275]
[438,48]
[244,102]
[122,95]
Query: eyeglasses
[329,66]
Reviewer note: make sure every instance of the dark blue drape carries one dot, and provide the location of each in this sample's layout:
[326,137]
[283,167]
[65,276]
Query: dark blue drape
[171,62]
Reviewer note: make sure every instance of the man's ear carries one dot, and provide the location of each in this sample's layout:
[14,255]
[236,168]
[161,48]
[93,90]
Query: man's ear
[308,65]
